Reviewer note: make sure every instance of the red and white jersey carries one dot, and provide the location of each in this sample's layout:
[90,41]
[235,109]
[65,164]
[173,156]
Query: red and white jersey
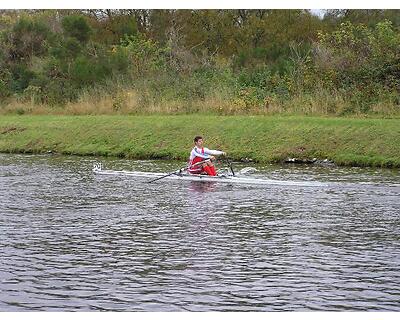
[198,155]
[203,153]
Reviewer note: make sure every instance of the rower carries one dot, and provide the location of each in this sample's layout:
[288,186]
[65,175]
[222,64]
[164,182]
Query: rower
[198,154]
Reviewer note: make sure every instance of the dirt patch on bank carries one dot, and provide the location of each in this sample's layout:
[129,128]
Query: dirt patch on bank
[6,130]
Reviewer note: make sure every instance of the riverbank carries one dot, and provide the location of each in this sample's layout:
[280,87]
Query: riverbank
[345,141]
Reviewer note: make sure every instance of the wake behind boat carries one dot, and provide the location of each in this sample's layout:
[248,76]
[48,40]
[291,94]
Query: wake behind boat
[185,176]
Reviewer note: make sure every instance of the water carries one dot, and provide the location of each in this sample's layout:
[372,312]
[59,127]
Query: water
[70,240]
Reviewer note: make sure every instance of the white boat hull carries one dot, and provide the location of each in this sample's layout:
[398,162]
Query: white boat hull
[202,178]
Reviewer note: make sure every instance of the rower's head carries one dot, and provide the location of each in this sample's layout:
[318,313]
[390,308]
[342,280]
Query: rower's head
[198,141]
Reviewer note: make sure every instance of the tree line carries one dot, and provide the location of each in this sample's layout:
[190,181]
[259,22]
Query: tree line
[253,60]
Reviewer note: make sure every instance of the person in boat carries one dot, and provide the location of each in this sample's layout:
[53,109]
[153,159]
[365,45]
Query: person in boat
[198,154]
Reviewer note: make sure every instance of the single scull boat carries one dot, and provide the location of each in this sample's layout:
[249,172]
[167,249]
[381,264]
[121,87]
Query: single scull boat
[185,176]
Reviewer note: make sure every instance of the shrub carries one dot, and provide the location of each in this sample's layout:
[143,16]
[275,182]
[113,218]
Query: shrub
[85,71]
[145,56]
[355,54]
[5,80]
[77,27]
[27,38]
[363,62]
[68,48]
[21,77]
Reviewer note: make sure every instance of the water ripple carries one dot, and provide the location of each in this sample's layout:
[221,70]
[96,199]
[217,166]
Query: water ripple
[71,241]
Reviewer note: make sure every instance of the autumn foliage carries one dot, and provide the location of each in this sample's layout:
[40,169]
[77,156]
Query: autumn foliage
[218,61]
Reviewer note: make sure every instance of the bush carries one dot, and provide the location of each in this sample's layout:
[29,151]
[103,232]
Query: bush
[58,92]
[145,56]
[355,54]
[77,27]
[27,38]
[85,71]
[68,48]
[5,80]
[361,61]
[21,77]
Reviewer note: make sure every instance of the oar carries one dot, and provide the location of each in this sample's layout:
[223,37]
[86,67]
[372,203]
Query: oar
[230,166]
[229,162]
[178,171]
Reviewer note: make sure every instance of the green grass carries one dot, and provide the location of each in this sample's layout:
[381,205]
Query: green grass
[346,141]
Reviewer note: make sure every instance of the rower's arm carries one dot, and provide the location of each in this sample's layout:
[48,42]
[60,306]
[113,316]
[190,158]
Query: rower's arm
[213,152]
[199,154]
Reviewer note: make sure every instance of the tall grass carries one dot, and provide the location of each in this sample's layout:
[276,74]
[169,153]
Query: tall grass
[127,99]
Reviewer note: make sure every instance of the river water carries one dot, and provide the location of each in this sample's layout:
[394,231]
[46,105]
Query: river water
[70,240]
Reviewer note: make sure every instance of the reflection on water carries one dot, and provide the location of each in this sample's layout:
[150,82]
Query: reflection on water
[73,241]
[206,186]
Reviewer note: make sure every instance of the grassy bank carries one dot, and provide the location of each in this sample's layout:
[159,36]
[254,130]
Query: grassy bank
[346,141]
